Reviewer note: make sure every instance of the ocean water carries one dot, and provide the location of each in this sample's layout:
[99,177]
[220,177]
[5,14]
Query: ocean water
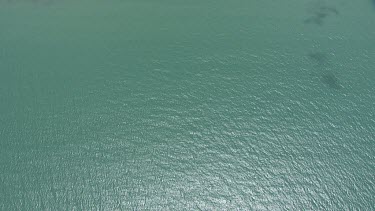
[187,105]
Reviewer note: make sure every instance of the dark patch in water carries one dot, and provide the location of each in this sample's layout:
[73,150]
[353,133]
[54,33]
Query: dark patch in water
[319,12]
[319,57]
[331,81]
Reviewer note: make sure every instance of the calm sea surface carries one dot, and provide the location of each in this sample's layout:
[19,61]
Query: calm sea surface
[187,105]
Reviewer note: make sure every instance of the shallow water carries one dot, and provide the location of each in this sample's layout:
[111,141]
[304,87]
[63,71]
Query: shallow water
[174,105]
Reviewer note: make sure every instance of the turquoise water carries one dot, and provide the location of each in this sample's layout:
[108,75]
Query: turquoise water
[187,105]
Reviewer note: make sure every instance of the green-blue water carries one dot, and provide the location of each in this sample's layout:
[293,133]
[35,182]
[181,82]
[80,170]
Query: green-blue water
[187,105]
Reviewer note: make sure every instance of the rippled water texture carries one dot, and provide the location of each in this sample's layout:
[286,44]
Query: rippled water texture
[187,105]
